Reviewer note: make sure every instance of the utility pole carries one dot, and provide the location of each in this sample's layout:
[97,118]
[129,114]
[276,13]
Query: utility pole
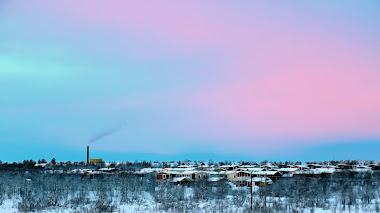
[251,193]
[265,193]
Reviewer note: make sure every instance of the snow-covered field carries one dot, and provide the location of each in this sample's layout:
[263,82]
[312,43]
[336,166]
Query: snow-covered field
[10,206]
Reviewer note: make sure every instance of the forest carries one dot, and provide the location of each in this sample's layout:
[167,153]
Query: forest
[26,189]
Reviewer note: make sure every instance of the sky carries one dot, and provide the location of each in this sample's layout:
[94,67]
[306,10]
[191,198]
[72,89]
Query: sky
[237,80]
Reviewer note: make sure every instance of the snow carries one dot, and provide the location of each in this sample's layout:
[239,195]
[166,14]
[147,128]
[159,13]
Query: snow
[9,205]
[149,205]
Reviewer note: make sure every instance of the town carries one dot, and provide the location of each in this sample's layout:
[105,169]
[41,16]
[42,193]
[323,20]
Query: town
[240,174]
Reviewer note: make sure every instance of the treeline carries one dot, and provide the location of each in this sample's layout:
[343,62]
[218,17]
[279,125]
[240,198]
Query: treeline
[68,165]
[137,165]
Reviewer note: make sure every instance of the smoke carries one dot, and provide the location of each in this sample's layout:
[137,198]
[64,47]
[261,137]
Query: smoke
[106,132]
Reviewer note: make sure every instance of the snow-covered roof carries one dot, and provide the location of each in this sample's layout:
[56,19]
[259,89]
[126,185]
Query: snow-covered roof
[186,166]
[182,173]
[189,172]
[265,173]
[246,166]
[301,166]
[106,169]
[180,179]
[227,166]
[314,164]
[363,167]
[226,172]
[211,172]
[258,179]
[180,169]
[254,169]
[268,165]
[287,169]
[329,166]
[148,170]
[215,179]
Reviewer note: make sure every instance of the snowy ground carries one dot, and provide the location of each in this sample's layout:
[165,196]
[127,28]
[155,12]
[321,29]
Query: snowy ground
[10,206]
[130,193]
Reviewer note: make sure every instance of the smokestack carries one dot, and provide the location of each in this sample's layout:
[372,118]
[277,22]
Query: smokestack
[88,154]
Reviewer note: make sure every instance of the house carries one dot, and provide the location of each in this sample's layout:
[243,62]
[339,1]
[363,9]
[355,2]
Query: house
[343,166]
[238,176]
[180,169]
[226,173]
[181,180]
[162,176]
[360,168]
[327,169]
[328,166]
[256,181]
[244,178]
[188,174]
[300,167]
[107,170]
[145,171]
[187,166]
[227,168]
[203,166]
[284,166]
[87,172]
[255,169]
[207,174]
[269,167]
[273,175]
[314,166]
[287,172]
[248,168]
[374,166]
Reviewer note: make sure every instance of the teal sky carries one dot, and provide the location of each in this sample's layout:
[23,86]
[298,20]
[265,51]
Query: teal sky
[197,80]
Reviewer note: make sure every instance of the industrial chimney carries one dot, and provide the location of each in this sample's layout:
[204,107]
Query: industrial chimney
[88,154]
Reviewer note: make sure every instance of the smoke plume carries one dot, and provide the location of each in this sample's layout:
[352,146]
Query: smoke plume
[106,132]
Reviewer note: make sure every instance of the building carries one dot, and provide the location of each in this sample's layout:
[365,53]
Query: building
[273,175]
[244,178]
[227,168]
[287,172]
[96,160]
[162,176]
[181,180]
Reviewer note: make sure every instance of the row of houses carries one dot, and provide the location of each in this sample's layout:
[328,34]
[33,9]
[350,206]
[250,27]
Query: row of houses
[239,177]
[247,175]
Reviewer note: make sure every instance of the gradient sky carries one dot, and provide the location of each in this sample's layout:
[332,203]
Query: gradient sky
[276,80]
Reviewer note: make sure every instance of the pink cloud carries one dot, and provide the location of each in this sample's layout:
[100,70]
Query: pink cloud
[325,97]
[184,23]
[277,79]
